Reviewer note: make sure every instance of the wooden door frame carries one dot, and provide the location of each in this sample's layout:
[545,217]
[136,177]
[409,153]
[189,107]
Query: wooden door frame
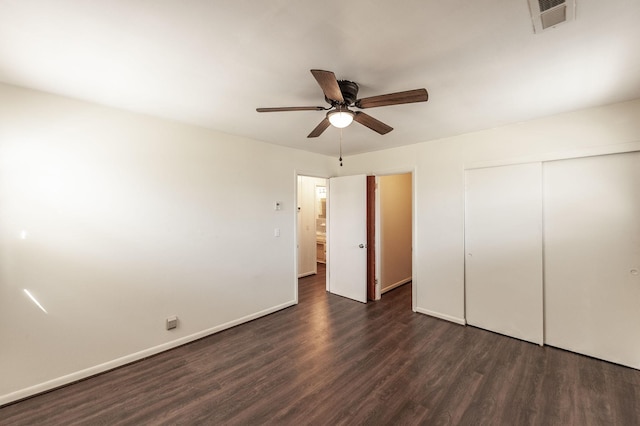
[371,238]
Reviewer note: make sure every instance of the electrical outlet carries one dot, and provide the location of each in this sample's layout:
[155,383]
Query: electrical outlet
[172,322]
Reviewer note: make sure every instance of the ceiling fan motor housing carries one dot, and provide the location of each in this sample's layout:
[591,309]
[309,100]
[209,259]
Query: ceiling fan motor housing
[349,91]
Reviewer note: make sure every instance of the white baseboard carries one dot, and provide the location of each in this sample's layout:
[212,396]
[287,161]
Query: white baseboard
[306,274]
[128,359]
[395,285]
[445,317]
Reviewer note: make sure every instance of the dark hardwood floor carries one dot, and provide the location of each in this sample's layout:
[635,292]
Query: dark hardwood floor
[330,360]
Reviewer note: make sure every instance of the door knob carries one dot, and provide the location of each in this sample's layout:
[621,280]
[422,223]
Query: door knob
[361,246]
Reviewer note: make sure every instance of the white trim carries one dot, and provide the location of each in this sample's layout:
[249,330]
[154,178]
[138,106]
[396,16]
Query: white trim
[464,244]
[128,359]
[327,241]
[414,239]
[561,155]
[439,315]
[393,171]
[296,174]
[307,274]
[395,285]
[377,241]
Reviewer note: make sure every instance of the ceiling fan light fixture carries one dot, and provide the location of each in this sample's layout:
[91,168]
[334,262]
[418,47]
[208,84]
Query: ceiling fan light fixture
[340,119]
[342,94]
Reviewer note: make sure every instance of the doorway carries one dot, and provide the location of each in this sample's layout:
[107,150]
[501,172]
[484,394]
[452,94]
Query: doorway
[390,248]
[394,232]
[311,224]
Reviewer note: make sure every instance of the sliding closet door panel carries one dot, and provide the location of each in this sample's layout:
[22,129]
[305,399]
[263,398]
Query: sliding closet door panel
[503,241]
[592,256]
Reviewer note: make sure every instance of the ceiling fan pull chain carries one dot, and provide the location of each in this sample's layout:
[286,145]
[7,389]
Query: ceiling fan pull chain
[340,148]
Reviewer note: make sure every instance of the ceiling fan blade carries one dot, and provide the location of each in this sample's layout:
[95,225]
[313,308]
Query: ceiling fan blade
[407,97]
[329,84]
[279,109]
[372,123]
[320,128]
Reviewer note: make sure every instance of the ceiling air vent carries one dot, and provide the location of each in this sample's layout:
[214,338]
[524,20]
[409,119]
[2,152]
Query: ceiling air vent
[549,13]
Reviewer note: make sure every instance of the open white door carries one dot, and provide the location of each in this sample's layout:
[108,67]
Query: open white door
[348,236]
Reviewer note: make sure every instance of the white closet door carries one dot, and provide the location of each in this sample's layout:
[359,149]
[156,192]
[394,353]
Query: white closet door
[592,256]
[503,241]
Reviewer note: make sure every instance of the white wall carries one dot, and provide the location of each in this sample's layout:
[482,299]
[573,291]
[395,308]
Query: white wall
[439,184]
[114,221]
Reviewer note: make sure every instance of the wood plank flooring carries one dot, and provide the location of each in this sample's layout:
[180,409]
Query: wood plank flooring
[332,361]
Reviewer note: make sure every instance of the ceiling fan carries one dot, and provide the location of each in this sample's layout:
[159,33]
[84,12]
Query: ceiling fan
[342,95]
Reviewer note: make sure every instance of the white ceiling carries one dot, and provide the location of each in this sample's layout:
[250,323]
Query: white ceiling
[211,63]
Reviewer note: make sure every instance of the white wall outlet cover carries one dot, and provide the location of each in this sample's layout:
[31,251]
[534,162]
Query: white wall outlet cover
[172,322]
